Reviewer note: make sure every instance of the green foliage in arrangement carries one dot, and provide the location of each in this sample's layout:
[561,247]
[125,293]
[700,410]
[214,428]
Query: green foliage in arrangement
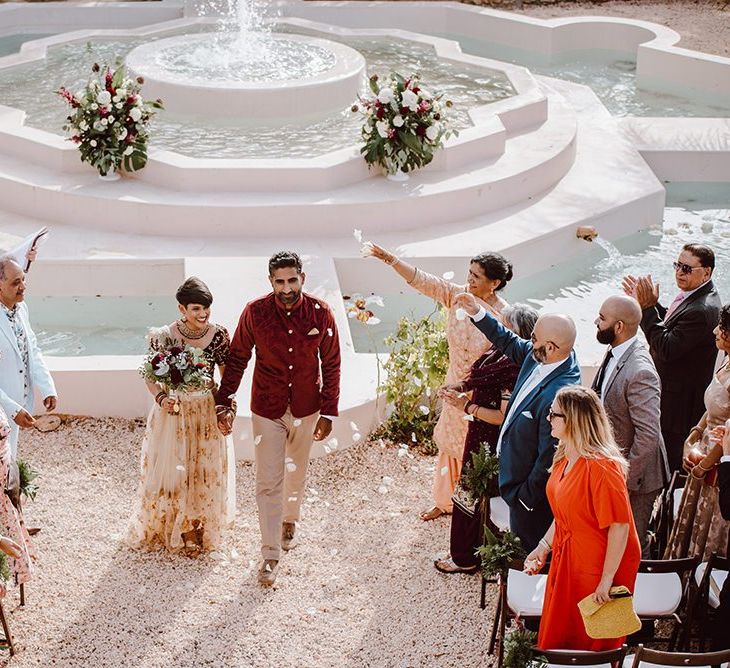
[5,573]
[519,650]
[478,474]
[497,553]
[28,477]
[416,368]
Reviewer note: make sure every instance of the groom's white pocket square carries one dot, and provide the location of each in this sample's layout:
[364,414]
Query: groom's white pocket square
[527,414]
[313,331]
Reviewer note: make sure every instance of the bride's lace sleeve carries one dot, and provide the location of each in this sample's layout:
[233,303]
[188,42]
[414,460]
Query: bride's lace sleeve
[220,346]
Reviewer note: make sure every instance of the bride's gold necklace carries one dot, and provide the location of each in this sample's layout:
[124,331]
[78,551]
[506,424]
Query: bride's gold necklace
[188,334]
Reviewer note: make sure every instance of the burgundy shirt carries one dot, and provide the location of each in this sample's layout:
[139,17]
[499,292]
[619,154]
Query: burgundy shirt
[291,346]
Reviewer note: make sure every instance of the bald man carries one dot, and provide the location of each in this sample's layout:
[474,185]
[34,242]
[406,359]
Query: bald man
[628,384]
[525,445]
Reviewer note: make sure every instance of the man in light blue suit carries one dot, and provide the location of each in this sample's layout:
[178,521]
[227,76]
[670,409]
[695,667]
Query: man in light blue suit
[525,445]
[22,369]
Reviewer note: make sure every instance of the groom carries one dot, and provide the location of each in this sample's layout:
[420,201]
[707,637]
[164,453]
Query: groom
[295,338]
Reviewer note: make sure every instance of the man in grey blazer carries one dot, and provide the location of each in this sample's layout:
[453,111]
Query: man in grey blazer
[628,384]
[22,368]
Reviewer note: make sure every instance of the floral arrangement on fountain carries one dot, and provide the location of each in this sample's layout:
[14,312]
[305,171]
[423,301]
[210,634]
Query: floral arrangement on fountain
[110,120]
[404,124]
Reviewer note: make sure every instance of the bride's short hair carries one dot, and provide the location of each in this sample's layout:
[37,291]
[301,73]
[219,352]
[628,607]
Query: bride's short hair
[194,291]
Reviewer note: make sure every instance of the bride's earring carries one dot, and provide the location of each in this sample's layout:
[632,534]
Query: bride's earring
[183,319]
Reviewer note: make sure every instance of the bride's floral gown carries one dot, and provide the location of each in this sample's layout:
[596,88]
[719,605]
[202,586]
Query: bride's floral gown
[186,495]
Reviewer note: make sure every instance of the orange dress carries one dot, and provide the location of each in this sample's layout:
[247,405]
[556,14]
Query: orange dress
[585,502]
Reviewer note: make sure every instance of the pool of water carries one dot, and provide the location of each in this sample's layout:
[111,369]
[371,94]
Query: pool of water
[12,43]
[697,213]
[611,75]
[71,326]
[31,87]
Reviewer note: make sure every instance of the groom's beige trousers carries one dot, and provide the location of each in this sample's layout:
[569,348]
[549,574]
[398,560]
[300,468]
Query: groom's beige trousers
[282,459]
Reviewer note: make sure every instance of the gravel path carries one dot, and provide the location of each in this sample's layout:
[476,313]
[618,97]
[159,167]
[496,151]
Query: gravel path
[703,24]
[359,591]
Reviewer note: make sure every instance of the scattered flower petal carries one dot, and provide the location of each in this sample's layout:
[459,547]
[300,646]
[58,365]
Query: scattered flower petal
[180,467]
[358,235]
[291,467]
[372,320]
[382,489]
[444,470]
[448,275]
[425,410]
[353,426]
[296,422]
[470,418]
[413,437]
[257,440]
[356,437]
[387,480]
[460,314]
[333,443]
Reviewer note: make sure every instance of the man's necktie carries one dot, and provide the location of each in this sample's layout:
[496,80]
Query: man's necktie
[598,380]
[673,306]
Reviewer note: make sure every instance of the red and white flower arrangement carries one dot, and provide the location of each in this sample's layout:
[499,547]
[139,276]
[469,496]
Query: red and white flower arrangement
[404,123]
[175,366]
[110,119]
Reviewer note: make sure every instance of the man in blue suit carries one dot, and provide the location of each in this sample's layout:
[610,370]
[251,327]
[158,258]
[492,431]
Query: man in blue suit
[525,446]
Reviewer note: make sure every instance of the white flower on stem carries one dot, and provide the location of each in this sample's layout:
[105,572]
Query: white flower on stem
[110,119]
[104,122]
[135,114]
[382,128]
[104,97]
[119,105]
[432,131]
[123,134]
[398,121]
[162,369]
[94,107]
[409,99]
[386,95]
[129,150]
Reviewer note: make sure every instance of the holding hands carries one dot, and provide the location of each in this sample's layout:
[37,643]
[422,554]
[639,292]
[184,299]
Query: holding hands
[643,289]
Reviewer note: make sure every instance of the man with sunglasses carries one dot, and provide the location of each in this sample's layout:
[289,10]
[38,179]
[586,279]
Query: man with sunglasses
[525,445]
[681,341]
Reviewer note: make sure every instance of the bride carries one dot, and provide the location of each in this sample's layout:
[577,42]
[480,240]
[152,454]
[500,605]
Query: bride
[186,494]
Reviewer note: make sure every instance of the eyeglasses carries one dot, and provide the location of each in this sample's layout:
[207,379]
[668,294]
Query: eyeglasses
[683,268]
[552,414]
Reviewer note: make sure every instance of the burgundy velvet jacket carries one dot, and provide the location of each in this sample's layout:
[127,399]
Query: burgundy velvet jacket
[290,347]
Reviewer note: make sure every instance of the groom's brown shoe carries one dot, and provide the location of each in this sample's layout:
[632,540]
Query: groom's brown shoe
[288,542]
[267,572]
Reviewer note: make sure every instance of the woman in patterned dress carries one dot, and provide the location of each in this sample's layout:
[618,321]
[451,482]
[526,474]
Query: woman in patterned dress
[15,541]
[186,495]
[699,528]
[488,274]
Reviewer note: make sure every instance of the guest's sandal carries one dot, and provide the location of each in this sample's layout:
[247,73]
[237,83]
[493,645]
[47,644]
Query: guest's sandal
[448,566]
[433,514]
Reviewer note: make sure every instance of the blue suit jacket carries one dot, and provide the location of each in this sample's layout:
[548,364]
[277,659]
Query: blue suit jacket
[527,446]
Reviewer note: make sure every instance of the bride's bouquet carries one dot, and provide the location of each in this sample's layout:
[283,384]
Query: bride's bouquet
[175,366]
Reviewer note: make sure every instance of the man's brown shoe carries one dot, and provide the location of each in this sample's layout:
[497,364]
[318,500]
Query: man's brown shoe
[33,531]
[288,541]
[267,572]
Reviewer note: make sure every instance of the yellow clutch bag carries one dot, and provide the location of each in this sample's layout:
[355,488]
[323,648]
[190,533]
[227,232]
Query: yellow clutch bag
[610,620]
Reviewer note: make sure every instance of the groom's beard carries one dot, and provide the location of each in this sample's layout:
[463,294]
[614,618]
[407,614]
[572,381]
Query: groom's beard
[288,299]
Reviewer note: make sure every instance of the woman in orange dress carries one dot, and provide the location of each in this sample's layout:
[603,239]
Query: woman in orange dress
[593,538]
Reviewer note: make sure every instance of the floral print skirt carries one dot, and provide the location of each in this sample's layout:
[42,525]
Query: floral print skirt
[186,494]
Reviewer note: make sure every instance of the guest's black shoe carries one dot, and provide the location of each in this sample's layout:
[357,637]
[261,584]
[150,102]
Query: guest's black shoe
[448,566]
[288,542]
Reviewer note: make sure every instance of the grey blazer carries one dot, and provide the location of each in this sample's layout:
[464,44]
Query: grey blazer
[631,399]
